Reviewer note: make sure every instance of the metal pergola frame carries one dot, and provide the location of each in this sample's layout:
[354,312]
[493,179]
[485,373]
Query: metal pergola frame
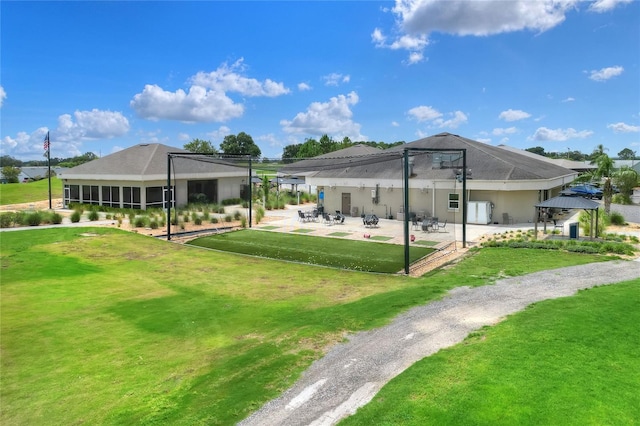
[171,155]
[463,151]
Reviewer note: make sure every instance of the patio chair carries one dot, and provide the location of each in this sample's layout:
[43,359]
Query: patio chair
[506,219]
[327,219]
[558,225]
[442,226]
[339,217]
[301,216]
[370,220]
[414,222]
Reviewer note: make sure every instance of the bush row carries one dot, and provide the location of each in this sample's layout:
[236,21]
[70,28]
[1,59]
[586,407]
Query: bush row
[35,218]
[594,247]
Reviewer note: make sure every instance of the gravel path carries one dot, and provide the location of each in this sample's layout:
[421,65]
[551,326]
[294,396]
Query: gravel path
[351,374]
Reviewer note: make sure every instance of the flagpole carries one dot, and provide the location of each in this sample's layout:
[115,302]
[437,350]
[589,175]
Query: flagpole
[49,167]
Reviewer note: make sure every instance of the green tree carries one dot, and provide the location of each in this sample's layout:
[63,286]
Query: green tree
[597,153]
[200,146]
[310,148]
[327,144]
[537,150]
[627,154]
[626,179]
[604,172]
[7,160]
[291,151]
[11,173]
[242,144]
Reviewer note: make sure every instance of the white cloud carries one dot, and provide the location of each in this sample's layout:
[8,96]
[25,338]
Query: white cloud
[395,124]
[414,44]
[513,115]
[424,113]
[94,124]
[227,79]
[600,6]
[67,138]
[569,99]
[334,79]
[623,128]
[199,105]
[3,95]
[479,18]
[458,118]
[427,113]
[501,131]
[184,137]
[206,99]
[605,73]
[559,135]
[303,87]
[333,118]
[220,133]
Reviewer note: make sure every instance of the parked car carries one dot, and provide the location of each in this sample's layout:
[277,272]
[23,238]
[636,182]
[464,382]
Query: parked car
[587,191]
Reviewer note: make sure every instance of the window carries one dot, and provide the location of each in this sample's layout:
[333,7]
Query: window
[90,194]
[71,194]
[454,202]
[131,197]
[111,196]
[154,196]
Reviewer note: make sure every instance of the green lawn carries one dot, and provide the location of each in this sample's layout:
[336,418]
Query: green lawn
[346,254]
[17,193]
[570,361]
[101,326]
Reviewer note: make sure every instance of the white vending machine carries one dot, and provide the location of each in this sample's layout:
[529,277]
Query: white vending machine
[479,212]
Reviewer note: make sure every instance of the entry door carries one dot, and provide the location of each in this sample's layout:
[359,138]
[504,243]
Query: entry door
[346,203]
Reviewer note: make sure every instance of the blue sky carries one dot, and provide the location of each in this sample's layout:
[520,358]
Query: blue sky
[103,76]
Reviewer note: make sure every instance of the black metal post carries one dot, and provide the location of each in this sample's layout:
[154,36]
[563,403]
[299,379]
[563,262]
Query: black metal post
[405,164]
[169,195]
[464,197]
[250,192]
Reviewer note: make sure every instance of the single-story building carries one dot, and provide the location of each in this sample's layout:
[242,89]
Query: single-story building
[501,184]
[136,177]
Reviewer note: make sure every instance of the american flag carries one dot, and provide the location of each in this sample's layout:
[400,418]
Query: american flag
[46,142]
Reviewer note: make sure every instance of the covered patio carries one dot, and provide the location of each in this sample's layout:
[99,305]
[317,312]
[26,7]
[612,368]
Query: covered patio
[568,203]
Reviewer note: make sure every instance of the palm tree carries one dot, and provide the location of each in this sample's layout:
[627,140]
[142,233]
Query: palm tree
[604,172]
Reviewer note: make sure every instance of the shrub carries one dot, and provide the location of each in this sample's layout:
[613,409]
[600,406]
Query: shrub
[228,218]
[56,218]
[75,216]
[94,215]
[140,222]
[616,219]
[34,219]
[206,215]
[243,222]
[153,224]
[197,220]
[231,201]
[7,219]
[185,218]
[194,216]
[259,214]
[237,215]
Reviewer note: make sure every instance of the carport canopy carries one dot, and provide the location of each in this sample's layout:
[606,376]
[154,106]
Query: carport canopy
[570,203]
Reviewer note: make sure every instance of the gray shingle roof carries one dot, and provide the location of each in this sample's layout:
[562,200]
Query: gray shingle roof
[564,202]
[486,162]
[146,161]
